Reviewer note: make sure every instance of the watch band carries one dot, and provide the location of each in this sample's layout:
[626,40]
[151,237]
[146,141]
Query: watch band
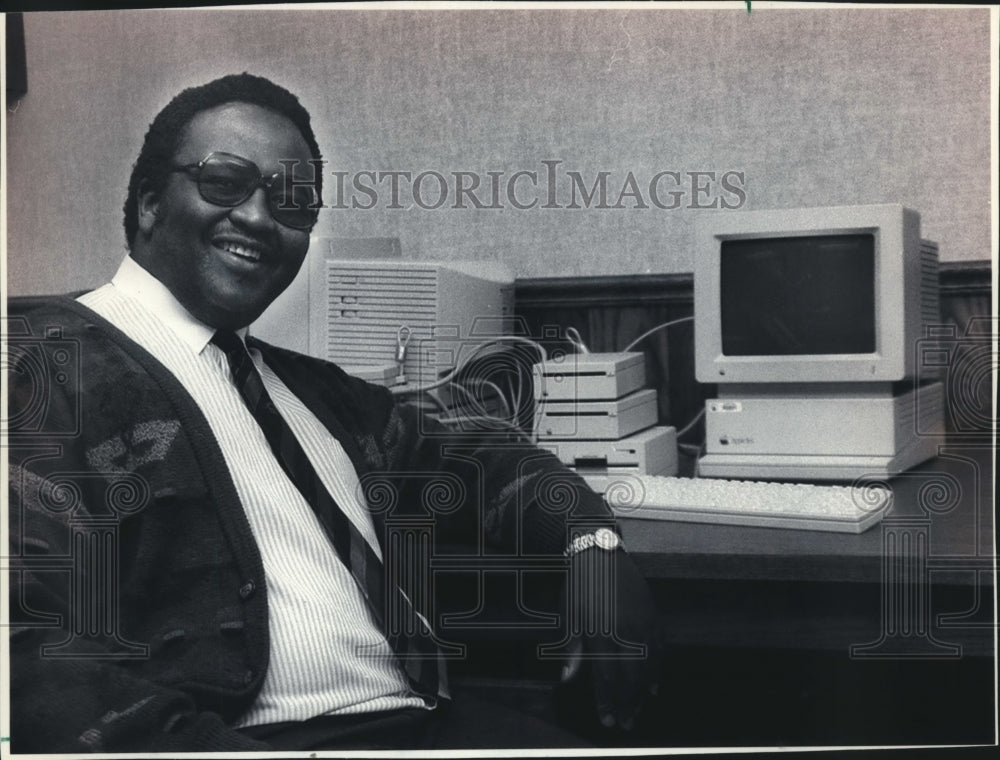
[602,538]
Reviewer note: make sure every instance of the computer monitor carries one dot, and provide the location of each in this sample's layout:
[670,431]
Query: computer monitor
[811,322]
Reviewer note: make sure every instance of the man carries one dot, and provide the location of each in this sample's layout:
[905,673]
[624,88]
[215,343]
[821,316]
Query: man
[231,582]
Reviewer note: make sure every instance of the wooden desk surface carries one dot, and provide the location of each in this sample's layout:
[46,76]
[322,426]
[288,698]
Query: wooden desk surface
[950,497]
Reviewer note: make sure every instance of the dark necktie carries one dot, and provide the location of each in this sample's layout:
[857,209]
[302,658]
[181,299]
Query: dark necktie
[405,631]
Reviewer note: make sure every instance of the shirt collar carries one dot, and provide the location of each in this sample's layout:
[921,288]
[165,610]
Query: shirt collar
[134,281]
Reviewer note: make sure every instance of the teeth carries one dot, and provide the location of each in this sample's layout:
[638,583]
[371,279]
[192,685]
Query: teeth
[241,250]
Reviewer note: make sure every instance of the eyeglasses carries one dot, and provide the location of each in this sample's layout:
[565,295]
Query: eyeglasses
[227,180]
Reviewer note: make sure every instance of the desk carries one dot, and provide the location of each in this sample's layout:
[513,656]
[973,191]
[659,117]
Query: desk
[946,502]
[804,637]
[951,494]
[783,637]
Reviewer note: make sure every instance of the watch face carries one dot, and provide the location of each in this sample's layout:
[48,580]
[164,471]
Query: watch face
[606,539]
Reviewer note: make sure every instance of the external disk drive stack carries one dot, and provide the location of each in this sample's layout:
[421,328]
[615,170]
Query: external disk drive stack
[594,413]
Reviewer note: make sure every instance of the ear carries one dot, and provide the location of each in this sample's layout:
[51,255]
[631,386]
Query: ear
[148,203]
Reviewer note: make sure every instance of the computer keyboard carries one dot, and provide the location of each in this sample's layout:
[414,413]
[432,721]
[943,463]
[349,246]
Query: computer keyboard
[842,508]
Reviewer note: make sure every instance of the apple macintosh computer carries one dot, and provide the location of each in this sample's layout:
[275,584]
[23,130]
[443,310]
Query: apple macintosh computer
[810,321]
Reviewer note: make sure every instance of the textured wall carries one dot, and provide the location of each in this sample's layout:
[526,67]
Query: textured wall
[813,106]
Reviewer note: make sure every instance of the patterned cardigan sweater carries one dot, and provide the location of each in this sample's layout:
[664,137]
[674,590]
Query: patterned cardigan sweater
[138,602]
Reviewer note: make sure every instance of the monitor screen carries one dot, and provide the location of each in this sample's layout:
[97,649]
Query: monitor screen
[796,296]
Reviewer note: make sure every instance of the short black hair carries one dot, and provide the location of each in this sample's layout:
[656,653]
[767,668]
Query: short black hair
[167,130]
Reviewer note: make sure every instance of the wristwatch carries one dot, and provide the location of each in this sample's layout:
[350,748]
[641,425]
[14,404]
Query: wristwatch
[602,538]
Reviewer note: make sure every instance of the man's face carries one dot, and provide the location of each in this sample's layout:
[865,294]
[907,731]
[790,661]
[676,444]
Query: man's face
[225,265]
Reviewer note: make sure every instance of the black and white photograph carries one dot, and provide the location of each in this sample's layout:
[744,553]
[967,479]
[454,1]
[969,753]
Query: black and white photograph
[499,379]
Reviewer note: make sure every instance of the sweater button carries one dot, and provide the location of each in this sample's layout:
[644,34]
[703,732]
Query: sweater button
[247,590]
[249,676]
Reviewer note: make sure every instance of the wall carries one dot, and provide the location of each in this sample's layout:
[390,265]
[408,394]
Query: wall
[813,106]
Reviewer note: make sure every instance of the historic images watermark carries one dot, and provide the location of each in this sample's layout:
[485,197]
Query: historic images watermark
[549,186]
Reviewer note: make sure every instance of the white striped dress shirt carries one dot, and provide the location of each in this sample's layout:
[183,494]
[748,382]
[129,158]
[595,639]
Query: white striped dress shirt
[318,620]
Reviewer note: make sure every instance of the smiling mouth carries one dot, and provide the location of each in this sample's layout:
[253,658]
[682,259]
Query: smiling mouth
[242,250]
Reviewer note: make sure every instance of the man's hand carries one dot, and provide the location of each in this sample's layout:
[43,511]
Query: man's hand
[613,626]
